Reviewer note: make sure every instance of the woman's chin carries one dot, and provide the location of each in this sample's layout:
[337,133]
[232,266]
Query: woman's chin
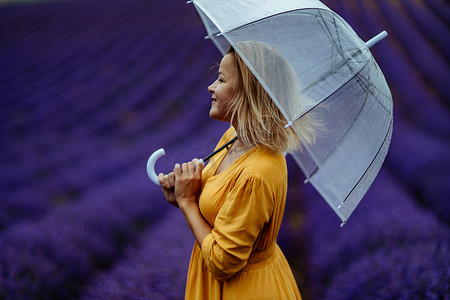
[213,114]
[216,114]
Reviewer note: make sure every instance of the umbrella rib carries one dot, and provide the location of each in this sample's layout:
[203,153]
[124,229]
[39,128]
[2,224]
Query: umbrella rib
[364,87]
[371,163]
[331,91]
[312,174]
[337,46]
[340,52]
[365,101]
[377,98]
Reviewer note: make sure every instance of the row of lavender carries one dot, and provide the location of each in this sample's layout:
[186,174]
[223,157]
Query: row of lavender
[78,136]
[416,43]
[75,194]
[88,213]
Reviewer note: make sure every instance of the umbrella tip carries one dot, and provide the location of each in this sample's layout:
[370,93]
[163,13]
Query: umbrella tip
[343,223]
[370,43]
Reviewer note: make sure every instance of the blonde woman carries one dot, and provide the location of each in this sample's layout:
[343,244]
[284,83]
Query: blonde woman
[234,206]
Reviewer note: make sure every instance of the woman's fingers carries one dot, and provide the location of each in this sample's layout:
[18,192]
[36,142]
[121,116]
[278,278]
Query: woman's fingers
[198,167]
[167,181]
[187,179]
[186,169]
[183,184]
[161,179]
[177,170]
[191,167]
[171,177]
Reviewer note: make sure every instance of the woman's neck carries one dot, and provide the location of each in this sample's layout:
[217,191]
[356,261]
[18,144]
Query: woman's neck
[239,145]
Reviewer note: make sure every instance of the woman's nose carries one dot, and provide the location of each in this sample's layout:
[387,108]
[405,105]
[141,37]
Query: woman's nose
[212,87]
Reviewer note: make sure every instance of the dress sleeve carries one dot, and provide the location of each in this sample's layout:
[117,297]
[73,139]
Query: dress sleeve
[248,208]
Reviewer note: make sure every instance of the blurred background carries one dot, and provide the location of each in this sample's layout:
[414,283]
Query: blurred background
[90,88]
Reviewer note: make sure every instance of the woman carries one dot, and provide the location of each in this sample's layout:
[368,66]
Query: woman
[234,206]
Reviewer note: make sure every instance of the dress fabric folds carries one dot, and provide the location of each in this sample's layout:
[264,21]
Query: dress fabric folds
[244,205]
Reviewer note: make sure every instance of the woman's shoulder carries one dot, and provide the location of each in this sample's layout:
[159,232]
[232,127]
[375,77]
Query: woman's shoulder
[264,165]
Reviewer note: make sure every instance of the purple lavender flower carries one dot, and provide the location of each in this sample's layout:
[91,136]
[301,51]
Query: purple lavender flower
[387,218]
[155,269]
[416,271]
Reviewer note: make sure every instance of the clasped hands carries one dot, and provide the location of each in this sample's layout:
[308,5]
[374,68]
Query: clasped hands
[182,186]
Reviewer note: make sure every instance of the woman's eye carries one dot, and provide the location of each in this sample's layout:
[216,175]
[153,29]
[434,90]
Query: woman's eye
[219,79]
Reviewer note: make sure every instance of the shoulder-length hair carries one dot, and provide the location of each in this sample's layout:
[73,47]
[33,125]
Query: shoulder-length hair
[259,121]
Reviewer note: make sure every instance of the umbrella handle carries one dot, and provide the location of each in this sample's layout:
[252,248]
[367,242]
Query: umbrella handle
[151,165]
[160,152]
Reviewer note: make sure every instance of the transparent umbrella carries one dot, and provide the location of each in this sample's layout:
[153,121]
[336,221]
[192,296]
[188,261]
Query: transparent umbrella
[324,80]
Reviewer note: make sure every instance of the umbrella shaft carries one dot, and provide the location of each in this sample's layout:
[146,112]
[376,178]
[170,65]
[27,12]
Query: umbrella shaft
[220,149]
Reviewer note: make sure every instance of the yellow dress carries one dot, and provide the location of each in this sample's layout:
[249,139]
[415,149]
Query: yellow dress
[244,205]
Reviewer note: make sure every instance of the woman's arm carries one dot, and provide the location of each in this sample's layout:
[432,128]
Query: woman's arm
[247,210]
[198,225]
[188,182]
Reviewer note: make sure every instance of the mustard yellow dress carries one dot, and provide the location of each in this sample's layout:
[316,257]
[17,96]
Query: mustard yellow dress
[244,205]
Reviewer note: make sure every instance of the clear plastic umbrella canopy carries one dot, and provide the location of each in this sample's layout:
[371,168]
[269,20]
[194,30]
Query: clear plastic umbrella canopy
[324,80]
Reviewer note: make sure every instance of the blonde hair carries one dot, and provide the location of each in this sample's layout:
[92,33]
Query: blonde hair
[260,122]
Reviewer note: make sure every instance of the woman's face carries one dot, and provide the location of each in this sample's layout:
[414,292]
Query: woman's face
[223,89]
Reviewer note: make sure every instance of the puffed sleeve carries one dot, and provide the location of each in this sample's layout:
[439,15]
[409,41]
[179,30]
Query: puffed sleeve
[248,208]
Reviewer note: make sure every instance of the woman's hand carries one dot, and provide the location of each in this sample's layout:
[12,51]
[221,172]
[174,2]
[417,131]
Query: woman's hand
[181,188]
[188,182]
[183,184]
[167,183]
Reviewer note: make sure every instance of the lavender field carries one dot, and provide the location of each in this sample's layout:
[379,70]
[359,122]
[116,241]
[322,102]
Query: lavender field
[90,88]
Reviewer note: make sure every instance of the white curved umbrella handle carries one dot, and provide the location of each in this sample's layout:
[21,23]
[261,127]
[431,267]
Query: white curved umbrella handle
[151,165]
